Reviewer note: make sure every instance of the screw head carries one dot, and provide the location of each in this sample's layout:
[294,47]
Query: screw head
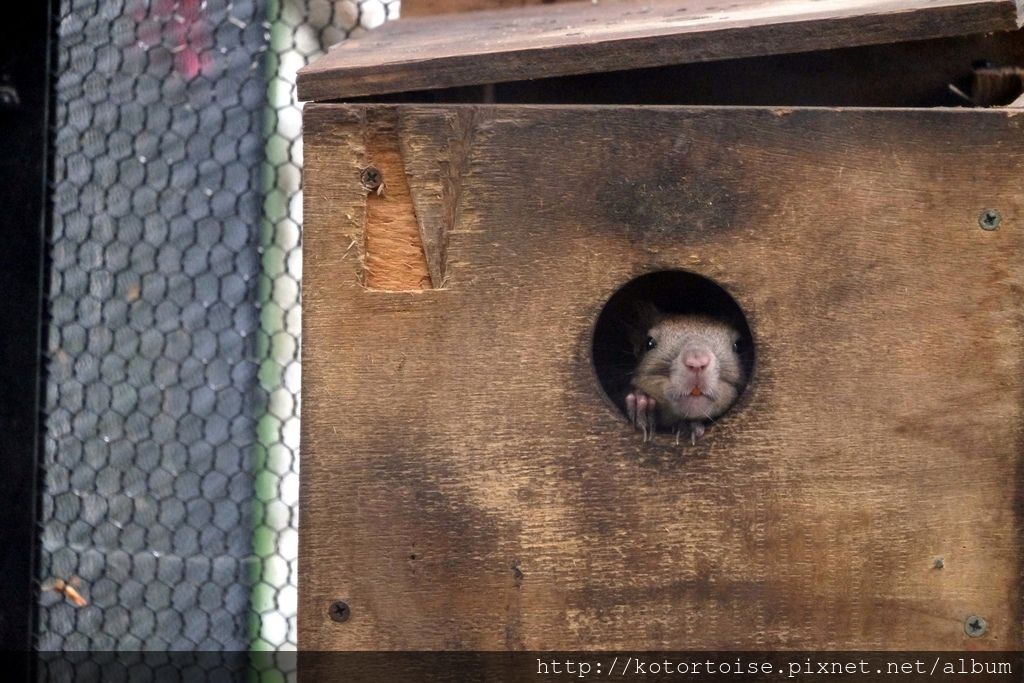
[975,626]
[371,178]
[989,219]
[339,611]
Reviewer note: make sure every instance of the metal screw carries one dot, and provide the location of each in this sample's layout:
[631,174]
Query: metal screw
[339,611]
[371,178]
[989,219]
[975,626]
[938,563]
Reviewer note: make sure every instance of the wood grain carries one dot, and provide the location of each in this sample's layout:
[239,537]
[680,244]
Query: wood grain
[466,485]
[435,150]
[394,258]
[584,37]
[426,8]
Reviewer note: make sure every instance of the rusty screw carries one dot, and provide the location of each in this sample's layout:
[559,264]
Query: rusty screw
[975,626]
[339,611]
[989,219]
[371,178]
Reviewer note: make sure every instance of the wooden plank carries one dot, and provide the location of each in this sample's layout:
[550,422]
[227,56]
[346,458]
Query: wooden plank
[426,8]
[466,485]
[911,74]
[573,38]
[939,72]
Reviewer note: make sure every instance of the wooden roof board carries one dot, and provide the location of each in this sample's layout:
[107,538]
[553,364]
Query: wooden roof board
[613,35]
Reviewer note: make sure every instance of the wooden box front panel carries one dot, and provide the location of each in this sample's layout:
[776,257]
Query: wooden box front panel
[465,483]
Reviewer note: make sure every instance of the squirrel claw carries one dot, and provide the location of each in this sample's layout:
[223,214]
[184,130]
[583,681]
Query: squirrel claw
[640,409]
[696,431]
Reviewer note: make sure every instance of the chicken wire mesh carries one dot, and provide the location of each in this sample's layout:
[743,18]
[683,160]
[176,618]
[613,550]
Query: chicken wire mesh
[170,496]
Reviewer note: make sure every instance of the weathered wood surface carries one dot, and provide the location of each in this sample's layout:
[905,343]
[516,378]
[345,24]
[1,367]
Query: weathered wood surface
[584,37]
[426,8]
[393,254]
[465,484]
[940,72]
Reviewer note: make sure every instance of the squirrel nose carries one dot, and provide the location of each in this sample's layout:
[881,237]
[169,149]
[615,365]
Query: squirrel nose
[697,360]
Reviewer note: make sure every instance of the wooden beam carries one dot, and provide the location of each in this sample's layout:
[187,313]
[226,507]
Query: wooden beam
[426,8]
[574,38]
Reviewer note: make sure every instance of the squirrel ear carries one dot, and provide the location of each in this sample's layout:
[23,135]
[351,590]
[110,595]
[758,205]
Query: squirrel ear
[645,316]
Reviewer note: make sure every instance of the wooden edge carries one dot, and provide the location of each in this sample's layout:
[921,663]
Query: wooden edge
[418,158]
[330,79]
[329,114]
[336,127]
[436,149]
[425,8]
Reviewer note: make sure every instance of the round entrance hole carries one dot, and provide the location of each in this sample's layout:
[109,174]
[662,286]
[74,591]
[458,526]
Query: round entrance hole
[621,334]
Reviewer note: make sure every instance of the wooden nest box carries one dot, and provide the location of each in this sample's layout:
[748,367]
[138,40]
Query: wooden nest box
[479,187]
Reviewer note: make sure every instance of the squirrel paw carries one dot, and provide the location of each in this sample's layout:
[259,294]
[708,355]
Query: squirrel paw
[641,410]
[696,430]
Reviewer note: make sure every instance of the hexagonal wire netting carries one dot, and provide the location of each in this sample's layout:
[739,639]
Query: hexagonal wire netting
[170,497]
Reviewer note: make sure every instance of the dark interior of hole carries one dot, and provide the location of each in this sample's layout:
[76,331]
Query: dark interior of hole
[671,291]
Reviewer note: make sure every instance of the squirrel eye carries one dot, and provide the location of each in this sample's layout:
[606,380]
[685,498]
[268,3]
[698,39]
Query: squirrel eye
[650,343]
[736,346]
